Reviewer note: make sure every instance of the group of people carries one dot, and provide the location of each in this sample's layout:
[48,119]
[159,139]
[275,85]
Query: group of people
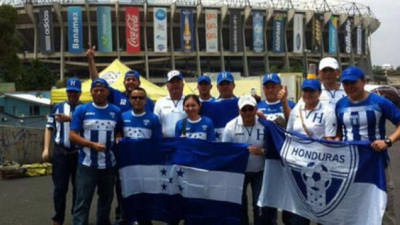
[84,134]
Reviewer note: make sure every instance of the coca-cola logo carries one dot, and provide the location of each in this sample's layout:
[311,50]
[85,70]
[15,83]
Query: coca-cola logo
[132,23]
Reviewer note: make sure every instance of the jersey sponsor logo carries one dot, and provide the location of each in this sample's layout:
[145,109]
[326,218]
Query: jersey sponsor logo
[90,113]
[122,102]
[321,176]
[127,121]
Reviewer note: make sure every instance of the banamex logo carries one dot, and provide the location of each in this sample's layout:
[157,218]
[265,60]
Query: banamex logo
[160,14]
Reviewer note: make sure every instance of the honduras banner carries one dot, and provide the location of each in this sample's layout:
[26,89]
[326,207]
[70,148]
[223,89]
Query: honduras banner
[104,36]
[327,182]
[187,37]
[160,30]
[278,32]
[75,29]
[180,178]
[332,35]
[258,31]
[220,112]
[298,33]
[46,34]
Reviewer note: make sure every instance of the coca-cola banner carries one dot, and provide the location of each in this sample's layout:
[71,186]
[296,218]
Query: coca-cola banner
[211,16]
[46,42]
[132,29]
[187,37]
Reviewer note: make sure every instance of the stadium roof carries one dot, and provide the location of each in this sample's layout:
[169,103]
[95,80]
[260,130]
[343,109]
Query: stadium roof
[334,6]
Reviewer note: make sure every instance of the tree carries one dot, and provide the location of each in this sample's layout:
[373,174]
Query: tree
[10,65]
[36,76]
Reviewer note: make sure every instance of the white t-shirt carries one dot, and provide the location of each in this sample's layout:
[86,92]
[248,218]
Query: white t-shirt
[237,133]
[169,112]
[320,122]
[331,96]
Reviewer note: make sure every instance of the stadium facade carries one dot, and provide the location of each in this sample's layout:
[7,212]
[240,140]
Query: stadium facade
[250,37]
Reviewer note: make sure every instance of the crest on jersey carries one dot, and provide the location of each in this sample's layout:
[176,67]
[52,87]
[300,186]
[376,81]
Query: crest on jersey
[320,176]
[146,122]
[112,114]
[204,127]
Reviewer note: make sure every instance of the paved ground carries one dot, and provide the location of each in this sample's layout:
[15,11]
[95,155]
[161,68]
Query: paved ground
[28,201]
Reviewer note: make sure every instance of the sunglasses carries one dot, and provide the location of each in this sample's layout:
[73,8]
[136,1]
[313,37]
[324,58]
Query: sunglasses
[247,109]
[137,97]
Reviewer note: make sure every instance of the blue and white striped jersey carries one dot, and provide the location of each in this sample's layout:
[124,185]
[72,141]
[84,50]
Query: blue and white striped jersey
[141,126]
[97,124]
[202,128]
[365,120]
[61,129]
[120,99]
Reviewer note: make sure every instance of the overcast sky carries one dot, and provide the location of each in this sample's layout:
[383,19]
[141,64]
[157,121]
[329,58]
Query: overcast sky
[385,43]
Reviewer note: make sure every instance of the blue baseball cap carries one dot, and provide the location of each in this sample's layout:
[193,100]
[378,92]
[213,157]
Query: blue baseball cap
[314,84]
[202,78]
[73,84]
[224,76]
[132,73]
[351,73]
[271,77]
[174,73]
[99,82]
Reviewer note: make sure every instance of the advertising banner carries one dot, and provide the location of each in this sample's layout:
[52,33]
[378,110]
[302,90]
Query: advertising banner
[278,32]
[347,36]
[46,35]
[298,33]
[104,36]
[359,39]
[258,34]
[75,29]
[316,34]
[332,35]
[160,30]
[132,29]
[187,30]
[235,31]
[211,16]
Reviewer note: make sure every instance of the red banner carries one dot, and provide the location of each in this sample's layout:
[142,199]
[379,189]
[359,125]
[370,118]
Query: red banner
[132,29]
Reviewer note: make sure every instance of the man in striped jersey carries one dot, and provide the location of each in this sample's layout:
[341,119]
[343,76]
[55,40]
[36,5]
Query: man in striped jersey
[64,156]
[362,116]
[94,126]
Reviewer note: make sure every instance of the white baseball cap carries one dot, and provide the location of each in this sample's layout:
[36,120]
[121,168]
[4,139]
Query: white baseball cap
[247,100]
[174,73]
[328,62]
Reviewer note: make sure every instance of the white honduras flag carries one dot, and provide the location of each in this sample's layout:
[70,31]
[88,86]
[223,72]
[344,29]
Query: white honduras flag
[326,182]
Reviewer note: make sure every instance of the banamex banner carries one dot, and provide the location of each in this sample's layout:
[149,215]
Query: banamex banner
[160,30]
[298,33]
[258,34]
[211,17]
[359,39]
[186,25]
[132,29]
[75,29]
[277,32]
[347,36]
[332,35]
[235,31]
[104,36]
[46,34]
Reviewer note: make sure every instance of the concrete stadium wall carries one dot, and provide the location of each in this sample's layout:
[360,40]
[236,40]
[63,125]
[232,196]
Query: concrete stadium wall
[21,144]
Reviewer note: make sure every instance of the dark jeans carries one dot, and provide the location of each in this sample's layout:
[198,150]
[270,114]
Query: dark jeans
[264,215]
[290,218]
[64,163]
[87,178]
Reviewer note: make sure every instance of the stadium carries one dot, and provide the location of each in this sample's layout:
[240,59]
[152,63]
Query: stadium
[247,37]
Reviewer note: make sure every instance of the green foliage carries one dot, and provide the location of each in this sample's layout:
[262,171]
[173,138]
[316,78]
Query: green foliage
[10,66]
[36,76]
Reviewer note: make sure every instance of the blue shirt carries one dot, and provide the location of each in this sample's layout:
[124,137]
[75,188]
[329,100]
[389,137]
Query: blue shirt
[202,129]
[141,126]
[212,99]
[121,100]
[97,124]
[365,120]
[272,110]
[61,132]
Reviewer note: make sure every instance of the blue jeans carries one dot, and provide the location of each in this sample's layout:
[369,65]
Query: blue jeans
[64,163]
[87,178]
[264,215]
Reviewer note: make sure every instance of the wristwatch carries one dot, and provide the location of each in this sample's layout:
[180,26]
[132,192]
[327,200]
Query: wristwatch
[388,142]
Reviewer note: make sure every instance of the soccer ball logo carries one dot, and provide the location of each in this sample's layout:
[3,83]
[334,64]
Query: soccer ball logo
[317,179]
